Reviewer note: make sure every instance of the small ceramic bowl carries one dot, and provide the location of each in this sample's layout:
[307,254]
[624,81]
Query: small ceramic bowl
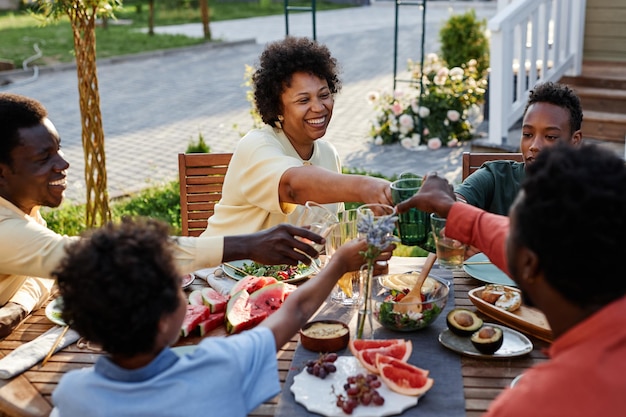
[410,316]
[325,335]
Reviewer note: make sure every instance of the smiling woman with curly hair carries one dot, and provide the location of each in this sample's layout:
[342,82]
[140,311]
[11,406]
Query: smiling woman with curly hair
[277,168]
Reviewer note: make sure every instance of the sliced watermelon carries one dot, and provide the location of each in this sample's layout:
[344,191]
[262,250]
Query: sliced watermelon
[193,316]
[195,298]
[403,377]
[214,300]
[269,298]
[213,322]
[240,314]
[252,284]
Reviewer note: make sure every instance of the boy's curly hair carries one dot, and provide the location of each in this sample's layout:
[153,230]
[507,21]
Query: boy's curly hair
[118,283]
[279,62]
[559,95]
[574,204]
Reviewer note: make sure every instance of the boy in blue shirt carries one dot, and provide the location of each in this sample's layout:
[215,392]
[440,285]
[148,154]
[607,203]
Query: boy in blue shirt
[133,305]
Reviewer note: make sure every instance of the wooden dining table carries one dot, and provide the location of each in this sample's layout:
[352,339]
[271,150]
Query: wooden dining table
[29,394]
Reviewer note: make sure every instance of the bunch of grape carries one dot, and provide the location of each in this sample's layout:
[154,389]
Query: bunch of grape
[360,389]
[322,366]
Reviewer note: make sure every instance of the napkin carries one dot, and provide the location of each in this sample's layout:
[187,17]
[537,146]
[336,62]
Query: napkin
[29,354]
[221,284]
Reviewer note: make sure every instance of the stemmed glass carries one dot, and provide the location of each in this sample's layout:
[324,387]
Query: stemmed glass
[317,219]
[346,291]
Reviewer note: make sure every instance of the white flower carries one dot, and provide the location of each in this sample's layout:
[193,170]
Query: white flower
[456,74]
[453,115]
[453,142]
[416,138]
[414,106]
[406,121]
[398,94]
[424,112]
[446,122]
[373,96]
[434,143]
[472,63]
[407,143]
[378,140]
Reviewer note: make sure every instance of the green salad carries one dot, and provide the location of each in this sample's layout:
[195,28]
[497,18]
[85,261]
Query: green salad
[280,272]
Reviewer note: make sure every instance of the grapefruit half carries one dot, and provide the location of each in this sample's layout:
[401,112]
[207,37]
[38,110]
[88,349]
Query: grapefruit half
[403,377]
[357,345]
[400,351]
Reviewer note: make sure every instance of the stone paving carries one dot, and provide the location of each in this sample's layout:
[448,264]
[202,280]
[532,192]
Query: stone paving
[154,104]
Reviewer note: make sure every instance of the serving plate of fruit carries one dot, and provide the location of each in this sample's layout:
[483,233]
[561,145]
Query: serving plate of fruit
[376,381]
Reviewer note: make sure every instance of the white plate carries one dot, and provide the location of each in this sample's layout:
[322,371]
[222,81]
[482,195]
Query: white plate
[53,311]
[488,273]
[514,344]
[317,396]
[239,264]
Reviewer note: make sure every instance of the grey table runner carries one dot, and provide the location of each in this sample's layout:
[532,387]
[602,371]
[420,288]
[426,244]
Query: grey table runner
[445,398]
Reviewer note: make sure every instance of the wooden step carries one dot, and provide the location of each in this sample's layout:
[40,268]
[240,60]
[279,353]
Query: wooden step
[601,99]
[604,126]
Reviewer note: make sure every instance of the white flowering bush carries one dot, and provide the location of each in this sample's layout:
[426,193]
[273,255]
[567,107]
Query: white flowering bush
[448,112]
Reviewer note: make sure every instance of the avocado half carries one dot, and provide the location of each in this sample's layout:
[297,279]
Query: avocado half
[463,322]
[488,339]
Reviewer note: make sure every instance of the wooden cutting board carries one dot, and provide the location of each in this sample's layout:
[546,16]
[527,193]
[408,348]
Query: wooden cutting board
[525,319]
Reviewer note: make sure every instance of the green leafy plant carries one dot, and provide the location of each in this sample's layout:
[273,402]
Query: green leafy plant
[198,147]
[446,114]
[160,202]
[463,38]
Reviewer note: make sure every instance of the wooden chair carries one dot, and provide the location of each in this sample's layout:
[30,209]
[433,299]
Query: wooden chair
[473,160]
[201,181]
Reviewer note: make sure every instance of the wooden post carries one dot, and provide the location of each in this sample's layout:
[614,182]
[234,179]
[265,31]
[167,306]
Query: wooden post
[204,11]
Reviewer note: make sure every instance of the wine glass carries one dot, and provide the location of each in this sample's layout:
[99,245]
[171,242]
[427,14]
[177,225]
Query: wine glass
[317,219]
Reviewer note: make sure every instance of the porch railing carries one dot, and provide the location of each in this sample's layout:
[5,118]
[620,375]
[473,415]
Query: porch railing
[532,41]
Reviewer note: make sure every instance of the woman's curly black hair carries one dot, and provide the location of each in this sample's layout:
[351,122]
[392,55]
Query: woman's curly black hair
[279,62]
[573,216]
[559,95]
[117,283]
[16,112]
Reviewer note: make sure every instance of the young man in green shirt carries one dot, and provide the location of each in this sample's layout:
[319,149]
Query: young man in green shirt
[553,115]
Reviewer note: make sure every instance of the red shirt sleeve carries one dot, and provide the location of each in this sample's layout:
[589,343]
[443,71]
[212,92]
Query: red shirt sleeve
[486,231]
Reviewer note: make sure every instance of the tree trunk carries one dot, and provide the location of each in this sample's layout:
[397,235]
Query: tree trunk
[83,27]
[204,11]
[150,17]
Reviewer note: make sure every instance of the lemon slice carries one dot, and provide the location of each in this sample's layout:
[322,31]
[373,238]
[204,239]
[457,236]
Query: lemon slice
[345,283]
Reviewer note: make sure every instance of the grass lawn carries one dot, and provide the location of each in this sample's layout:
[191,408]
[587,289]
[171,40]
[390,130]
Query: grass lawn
[19,31]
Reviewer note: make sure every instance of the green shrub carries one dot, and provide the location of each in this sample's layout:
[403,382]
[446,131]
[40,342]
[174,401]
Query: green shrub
[161,203]
[198,147]
[463,38]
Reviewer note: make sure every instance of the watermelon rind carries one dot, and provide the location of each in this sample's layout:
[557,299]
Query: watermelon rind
[214,300]
[194,315]
[240,315]
[269,298]
[213,322]
[195,298]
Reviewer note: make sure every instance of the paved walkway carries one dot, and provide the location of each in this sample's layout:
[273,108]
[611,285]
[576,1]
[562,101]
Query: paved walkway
[155,104]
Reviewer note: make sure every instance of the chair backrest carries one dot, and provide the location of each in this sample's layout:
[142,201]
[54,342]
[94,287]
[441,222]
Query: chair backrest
[201,181]
[473,160]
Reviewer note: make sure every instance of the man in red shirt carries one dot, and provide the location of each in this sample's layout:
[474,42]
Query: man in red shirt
[572,203]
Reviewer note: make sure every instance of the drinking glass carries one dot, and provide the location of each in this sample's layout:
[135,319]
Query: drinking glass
[317,219]
[346,291]
[450,252]
[413,225]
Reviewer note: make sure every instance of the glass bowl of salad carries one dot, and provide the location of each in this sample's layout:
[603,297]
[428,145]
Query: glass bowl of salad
[408,317]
